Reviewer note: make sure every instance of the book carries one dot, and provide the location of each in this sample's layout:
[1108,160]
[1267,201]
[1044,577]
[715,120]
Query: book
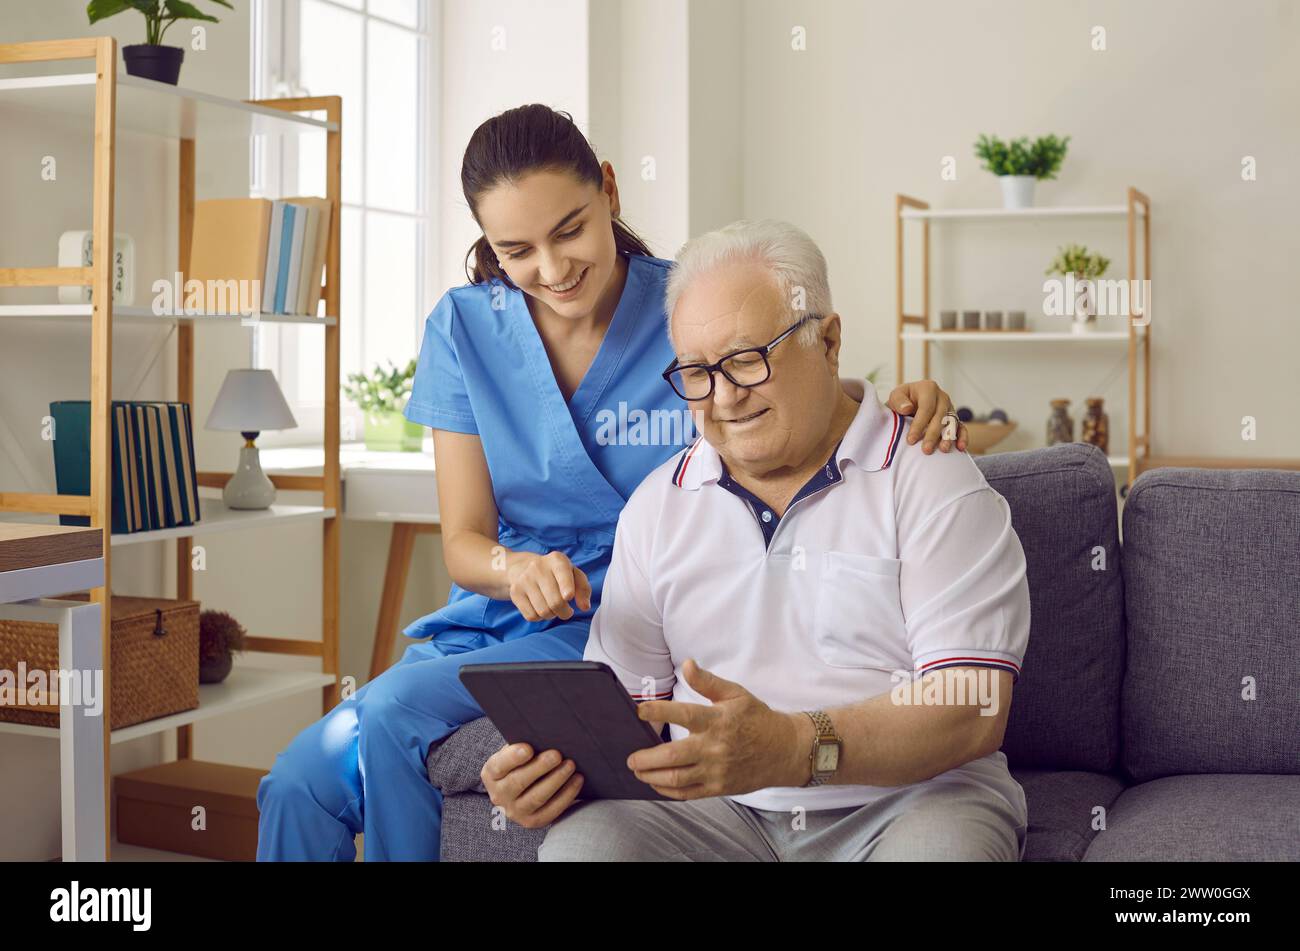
[309,302]
[122,465]
[175,515]
[188,466]
[135,467]
[230,244]
[286,256]
[178,474]
[318,262]
[307,250]
[301,219]
[71,446]
[272,257]
[152,476]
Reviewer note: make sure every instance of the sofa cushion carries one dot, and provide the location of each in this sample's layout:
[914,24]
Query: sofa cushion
[472,833]
[1062,806]
[1065,712]
[1218,817]
[1211,572]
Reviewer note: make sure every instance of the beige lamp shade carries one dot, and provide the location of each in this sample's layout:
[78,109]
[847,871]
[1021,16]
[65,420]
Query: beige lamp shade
[250,401]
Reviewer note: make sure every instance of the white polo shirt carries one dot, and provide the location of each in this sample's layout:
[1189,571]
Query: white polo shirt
[886,560]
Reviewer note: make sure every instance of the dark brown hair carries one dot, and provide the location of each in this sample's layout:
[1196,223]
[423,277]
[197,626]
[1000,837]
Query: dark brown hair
[519,141]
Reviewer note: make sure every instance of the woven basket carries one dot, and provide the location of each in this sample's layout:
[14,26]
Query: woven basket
[154,660]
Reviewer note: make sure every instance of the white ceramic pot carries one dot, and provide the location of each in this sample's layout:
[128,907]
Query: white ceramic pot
[1017,191]
[1085,306]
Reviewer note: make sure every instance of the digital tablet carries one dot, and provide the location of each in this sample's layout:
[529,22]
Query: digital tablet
[577,707]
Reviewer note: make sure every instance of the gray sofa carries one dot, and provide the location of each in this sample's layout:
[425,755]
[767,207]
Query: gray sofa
[1131,730]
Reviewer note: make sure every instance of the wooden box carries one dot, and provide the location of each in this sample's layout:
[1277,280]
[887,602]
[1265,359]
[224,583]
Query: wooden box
[156,808]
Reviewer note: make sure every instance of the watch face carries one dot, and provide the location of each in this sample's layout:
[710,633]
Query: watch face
[828,757]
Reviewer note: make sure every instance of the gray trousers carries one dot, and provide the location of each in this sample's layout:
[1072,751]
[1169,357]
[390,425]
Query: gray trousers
[930,821]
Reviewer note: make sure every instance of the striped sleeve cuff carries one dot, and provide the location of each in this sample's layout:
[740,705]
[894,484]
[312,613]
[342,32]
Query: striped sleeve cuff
[968,657]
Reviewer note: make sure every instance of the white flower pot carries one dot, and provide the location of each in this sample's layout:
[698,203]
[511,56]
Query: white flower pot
[1017,191]
[1085,306]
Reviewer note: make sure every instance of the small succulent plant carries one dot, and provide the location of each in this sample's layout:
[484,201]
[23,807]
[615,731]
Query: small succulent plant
[219,635]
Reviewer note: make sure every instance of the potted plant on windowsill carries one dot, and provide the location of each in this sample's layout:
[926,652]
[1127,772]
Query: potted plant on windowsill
[1019,164]
[382,396]
[150,59]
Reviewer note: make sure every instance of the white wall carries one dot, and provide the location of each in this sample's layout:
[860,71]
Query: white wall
[650,156]
[717,115]
[1184,91]
[496,56]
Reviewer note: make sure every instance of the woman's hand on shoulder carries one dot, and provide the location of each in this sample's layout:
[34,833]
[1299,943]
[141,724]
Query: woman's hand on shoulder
[934,416]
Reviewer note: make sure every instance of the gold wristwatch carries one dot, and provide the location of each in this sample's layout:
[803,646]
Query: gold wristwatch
[824,758]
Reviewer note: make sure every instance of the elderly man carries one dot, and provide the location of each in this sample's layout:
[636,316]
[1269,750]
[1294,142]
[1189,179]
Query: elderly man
[806,588]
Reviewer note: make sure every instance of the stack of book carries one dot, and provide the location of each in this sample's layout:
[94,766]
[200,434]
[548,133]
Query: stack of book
[274,249]
[155,482]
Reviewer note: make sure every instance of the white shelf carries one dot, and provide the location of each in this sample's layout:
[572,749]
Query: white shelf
[22,584]
[154,108]
[146,315]
[217,518]
[247,686]
[993,214]
[1017,336]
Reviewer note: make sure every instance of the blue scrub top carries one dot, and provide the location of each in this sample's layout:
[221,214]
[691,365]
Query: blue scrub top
[561,470]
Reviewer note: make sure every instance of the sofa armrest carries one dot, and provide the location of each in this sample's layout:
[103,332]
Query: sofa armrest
[454,764]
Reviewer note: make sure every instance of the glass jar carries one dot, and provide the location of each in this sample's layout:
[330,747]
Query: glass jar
[1096,424]
[1060,427]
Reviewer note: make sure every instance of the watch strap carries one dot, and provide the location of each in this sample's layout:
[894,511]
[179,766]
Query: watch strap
[825,733]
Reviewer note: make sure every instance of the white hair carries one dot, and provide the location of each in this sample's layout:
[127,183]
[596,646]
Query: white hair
[793,258]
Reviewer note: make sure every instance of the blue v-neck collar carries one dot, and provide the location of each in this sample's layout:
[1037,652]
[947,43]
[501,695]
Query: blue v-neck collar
[565,418]
[609,357]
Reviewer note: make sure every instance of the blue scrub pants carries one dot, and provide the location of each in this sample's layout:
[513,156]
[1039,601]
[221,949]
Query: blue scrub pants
[361,767]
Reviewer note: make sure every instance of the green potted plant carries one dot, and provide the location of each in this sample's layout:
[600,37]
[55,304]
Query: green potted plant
[220,637]
[1019,164]
[150,59]
[381,396]
[1074,260]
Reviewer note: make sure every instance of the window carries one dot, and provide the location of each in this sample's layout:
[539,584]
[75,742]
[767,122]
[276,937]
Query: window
[380,56]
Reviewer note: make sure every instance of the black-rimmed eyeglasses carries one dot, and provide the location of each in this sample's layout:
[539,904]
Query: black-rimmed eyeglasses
[744,368]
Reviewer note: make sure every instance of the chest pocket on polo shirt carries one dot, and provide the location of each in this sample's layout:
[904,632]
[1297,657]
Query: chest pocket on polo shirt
[859,618]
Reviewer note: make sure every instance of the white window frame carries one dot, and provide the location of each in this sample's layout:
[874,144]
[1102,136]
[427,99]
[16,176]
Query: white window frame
[273,172]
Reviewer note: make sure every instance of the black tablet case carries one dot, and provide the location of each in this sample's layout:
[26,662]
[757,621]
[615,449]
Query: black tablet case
[576,707]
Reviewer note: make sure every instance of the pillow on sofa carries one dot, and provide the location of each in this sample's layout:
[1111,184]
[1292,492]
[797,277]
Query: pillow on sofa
[1212,574]
[1065,709]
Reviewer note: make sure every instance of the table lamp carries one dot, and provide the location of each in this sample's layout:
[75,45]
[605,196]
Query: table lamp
[249,402]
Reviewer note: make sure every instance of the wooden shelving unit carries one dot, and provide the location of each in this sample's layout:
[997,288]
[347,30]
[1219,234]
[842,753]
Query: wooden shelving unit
[127,103]
[1136,212]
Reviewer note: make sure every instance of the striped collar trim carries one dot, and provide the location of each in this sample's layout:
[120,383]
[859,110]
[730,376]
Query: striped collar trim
[699,463]
[871,443]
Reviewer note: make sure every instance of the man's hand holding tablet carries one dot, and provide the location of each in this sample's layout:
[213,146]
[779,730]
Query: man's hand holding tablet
[559,719]
[532,790]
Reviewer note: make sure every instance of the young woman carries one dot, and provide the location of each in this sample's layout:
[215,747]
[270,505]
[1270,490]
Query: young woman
[521,374]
